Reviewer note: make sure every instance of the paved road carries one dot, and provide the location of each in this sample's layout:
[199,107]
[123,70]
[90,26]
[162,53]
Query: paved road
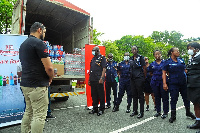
[72,117]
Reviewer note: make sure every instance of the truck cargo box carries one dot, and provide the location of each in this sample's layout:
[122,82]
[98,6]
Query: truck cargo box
[67,24]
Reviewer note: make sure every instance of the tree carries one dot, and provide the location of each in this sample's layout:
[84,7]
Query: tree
[6,9]
[95,37]
[145,45]
[173,38]
[111,47]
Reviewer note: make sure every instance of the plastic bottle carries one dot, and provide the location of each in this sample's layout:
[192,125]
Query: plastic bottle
[50,47]
[51,53]
[7,80]
[15,80]
[61,48]
[1,80]
[11,79]
[4,81]
[55,47]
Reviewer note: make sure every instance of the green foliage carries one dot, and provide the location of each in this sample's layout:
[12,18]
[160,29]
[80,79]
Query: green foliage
[95,37]
[171,39]
[6,9]
[145,45]
[162,41]
[111,47]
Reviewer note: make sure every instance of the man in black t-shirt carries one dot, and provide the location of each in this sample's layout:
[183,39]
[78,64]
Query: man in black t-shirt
[96,81]
[37,75]
[138,74]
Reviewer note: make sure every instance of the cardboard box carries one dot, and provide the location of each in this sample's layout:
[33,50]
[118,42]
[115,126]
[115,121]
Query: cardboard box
[60,69]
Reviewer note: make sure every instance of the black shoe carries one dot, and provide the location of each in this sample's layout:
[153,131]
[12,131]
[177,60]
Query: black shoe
[50,117]
[155,108]
[140,115]
[100,112]
[163,116]
[128,109]
[107,106]
[134,113]
[93,111]
[173,116]
[115,108]
[147,108]
[157,114]
[196,125]
[190,114]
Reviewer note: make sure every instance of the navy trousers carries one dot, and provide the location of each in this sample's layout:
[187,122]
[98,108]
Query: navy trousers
[49,109]
[124,85]
[174,90]
[159,94]
[110,85]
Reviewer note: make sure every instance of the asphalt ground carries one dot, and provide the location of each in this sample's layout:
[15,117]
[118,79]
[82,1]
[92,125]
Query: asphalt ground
[72,117]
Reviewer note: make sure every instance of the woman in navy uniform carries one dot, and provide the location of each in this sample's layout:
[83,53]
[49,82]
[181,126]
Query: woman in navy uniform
[111,77]
[124,83]
[96,81]
[157,85]
[175,67]
[138,74]
[148,89]
[193,81]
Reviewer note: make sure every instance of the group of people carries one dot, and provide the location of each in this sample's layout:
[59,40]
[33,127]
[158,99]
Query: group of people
[160,78]
[137,76]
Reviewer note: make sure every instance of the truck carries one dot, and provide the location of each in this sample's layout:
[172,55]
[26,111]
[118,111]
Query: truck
[66,25]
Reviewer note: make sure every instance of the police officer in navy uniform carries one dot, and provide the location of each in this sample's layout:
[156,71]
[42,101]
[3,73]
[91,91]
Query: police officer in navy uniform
[157,85]
[111,79]
[96,81]
[138,74]
[176,69]
[124,83]
[193,84]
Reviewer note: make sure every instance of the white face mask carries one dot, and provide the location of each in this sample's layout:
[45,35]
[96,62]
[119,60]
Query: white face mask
[126,58]
[190,52]
[93,52]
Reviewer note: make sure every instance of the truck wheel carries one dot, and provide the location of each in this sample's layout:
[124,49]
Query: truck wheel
[61,98]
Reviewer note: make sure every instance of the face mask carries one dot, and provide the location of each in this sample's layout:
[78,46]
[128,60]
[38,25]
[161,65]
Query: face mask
[190,52]
[110,59]
[126,58]
[93,52]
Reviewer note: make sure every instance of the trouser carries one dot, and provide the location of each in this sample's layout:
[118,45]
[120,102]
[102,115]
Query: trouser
[36,109]
[137,88]
[97,92]
[174,90]
[124,85]
[159,93]
[110,85]
[49,105]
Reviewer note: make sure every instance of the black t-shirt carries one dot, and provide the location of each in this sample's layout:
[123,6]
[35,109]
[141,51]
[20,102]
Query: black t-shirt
[96,67]
[33,72]
[136,67]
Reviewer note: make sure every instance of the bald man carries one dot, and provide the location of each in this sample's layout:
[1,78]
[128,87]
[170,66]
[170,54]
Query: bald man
[96,81]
